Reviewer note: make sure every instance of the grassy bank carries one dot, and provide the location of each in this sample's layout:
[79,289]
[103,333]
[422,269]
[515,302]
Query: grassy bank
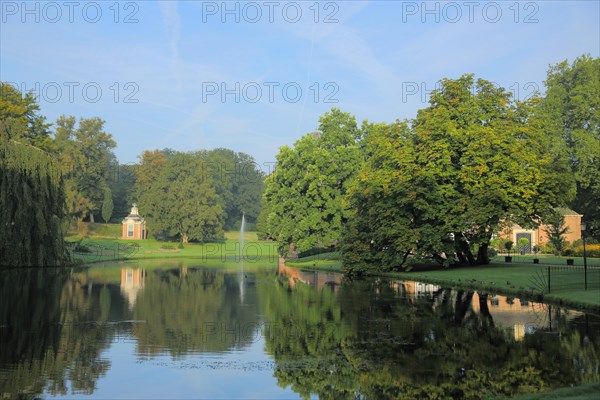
[110,272]
[103,243]
[547,259]
[525,281]
[331,262]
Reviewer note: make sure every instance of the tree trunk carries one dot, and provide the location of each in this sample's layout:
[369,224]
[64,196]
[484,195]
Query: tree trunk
[462,249]
[482,254]
[462,305]
[185,238]
[484,310]
[91,217]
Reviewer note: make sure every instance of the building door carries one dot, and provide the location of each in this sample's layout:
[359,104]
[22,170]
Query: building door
[525,249]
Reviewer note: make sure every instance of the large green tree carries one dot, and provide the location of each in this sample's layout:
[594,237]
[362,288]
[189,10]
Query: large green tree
[85,151]
[107,205]
[571,109]
[32,205]
[178,197]
[22,120]
[121,182]
[238,182]
[32,195]
[304,194]
[475,159]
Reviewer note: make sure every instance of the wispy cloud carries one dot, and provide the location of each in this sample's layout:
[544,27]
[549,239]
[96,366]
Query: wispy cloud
[172,22]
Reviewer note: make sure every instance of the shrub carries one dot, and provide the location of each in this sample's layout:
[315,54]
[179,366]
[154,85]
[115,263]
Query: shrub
[83,229]
[492,252]
[82,248]
[180,246]
[549,248]
[591,250]
[522,244]
[499,244]
[167,247]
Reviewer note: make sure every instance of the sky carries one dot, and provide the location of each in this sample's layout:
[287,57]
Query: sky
[254,76]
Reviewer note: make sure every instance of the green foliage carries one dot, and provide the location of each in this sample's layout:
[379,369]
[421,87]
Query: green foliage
[571,110]
[473,159]
[382,232]
[107,205]
[262,226]
[492,252]
[229,183]
[21,118]
[178,198]
[522,244]
[121,181]
[556,230]
[86,154]
[81,248]
[32,205]
[239,183]
[499,243]
[304,194]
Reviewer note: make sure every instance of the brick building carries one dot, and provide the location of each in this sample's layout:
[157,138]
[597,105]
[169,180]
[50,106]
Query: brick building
[134,226]
[539,236]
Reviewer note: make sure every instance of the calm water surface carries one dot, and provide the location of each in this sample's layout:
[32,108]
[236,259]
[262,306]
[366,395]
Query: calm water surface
[176,329]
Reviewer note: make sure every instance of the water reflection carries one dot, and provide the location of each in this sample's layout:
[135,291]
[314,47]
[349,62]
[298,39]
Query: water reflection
[132,281]
[281,331]
[47,342]
[192,310]
[401,339]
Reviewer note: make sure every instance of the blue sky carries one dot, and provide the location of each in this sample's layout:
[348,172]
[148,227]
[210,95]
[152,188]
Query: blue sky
[198,75]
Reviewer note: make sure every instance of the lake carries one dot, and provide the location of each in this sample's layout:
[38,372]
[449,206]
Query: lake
[178,329]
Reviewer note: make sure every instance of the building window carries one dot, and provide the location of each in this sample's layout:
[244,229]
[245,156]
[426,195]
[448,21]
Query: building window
[129,230]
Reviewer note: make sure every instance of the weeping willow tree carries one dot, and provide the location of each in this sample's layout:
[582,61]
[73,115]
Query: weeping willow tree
[32,205]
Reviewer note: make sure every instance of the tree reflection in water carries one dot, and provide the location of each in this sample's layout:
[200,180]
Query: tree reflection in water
[328,336]
[368,340]
[52,333]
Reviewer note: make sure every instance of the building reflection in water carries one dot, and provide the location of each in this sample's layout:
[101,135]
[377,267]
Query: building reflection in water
[132,281]
[313,278]
[520,316]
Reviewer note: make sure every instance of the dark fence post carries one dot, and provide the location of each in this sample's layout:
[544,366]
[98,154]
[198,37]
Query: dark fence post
[548,279]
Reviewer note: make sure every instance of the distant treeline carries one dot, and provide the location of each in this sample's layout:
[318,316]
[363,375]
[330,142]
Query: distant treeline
[56,176]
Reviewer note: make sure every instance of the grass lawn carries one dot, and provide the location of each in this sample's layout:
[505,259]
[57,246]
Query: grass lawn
[322,262]
[583,392]
[547,259]
[522,280]
[103,247]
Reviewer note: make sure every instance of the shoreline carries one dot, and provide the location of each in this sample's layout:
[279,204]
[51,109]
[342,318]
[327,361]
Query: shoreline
[553,299]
